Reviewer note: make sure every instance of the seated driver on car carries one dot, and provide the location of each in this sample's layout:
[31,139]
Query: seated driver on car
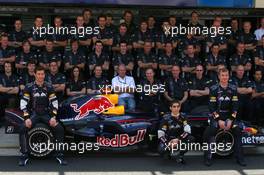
[223,106]
[173,131]
[39,105]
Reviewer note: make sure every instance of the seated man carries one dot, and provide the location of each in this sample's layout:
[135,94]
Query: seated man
[39,104]
[223,106]
[174,130]
[124,86]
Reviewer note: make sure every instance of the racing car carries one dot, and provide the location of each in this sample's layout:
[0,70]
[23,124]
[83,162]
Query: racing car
[98,119]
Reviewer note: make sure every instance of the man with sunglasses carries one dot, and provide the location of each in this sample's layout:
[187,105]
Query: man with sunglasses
[223,106]
[199,88]
[174,131]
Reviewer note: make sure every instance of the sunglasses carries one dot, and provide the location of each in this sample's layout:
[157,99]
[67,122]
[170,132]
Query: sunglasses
[199,70]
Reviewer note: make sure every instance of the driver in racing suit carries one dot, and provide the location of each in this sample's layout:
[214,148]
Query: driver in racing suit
[173,131]
[39,104]
[223,106]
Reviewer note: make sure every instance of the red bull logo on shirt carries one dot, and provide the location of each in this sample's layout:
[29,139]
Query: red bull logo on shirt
[96,104]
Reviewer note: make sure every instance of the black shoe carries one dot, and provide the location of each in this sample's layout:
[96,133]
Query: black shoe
[241,162]
[23,160]
[167,156]
[181,160]
[61,160]
[208,162]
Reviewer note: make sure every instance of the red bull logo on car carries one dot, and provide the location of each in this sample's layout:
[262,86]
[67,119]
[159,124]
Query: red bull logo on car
[122,140]
[96,104]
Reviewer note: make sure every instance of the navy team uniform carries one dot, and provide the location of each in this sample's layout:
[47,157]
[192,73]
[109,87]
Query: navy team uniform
[5,53]
[172,127]
[39,104]
[244,99]
[223,101]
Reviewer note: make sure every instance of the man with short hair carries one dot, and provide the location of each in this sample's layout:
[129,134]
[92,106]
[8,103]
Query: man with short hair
[8,89]
[39,104]
[257,101]
[56,79]
[7,54]
[223,106]
[124,86]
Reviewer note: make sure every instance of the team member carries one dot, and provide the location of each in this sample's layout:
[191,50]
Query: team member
[174,130]
[123,57]
[104,35]
[141,36]
[7,54]
[176,88]
[56,79]
[128,18]
[17,36]
[29,76]
[98,57]
[244,90]
[189,62]
[84,39]
[88,19]
[146,59]
[76,85]
[233,37]
[59,39]
[257,105]
[110,23]
[186,40]
[39,104]
[124,86]
[259,56]
[48,55]
[164,37]
[23,57]
[8,89]
[212,61]
[248,38]
[223,105]
[217,38]
[150,101]
[74,57]
[240,58]
[97,82]
[199,88]
[122,35]
[167,60]
[36,40]
[260,31]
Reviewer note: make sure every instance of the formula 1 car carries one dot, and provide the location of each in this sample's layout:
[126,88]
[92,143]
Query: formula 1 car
[96,119]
